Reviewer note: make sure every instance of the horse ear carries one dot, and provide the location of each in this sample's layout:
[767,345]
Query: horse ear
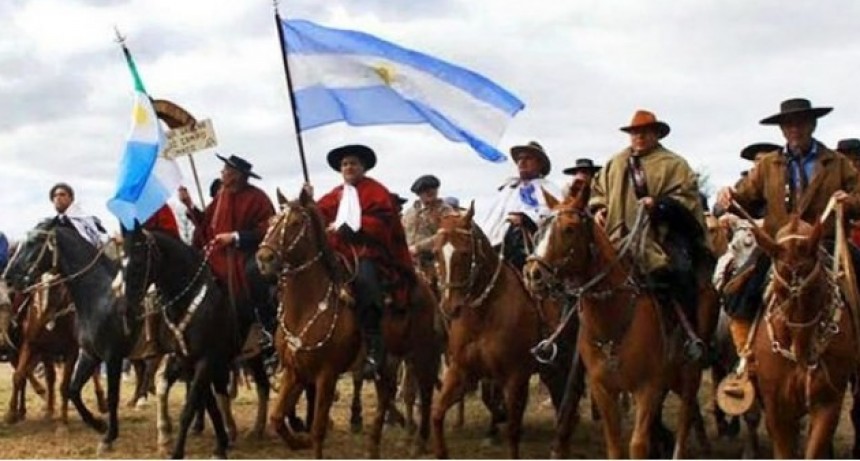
[470,213]
[281,199]
[551,201]
[767,244]
[305,198]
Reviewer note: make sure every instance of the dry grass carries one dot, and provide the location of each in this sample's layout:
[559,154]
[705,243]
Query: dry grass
[39,438]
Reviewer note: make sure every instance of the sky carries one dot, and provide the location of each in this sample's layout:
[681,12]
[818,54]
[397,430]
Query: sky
[711,69]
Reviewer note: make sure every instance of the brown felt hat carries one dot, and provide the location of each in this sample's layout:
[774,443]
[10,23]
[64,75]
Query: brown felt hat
[533,148]
[645,119]
[749,152]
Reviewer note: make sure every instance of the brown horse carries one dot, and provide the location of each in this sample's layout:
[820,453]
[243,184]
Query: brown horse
[47,333]
[625,341]
[493,325]
[318,335]
[804,348]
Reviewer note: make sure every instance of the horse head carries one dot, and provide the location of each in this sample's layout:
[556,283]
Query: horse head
[295,237]
[144,258]
[463,255]
[798,291]
[562,245]
[36,254]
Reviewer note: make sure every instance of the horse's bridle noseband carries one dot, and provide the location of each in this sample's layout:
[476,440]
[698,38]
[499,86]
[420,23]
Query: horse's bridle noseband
[286,268]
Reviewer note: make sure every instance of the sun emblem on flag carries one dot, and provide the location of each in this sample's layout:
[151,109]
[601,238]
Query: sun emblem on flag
[386,73]
[140,116]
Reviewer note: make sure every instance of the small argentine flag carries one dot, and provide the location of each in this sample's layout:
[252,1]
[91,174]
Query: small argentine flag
[344,75]
[146,179]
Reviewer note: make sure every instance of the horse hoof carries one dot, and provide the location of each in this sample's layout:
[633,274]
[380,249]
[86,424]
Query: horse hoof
[733,429]
[419,449]
[103,449]
[100,426]
[12,418]
[141,404]
[254,434]
[411,427]
[356,426]
[220,453]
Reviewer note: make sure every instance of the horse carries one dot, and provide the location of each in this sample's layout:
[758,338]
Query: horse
[804,348]
[493,325]
[206,332]
[48,332]
[624,339]
[318,336]
[106,329]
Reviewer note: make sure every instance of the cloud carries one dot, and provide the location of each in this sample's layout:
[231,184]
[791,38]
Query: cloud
[710,68]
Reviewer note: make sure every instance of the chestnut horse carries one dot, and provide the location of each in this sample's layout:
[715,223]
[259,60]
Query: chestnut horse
[624,340]
[804,347]
[318,335]
[493,325]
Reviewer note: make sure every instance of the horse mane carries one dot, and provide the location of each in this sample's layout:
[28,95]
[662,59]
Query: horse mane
[80,244]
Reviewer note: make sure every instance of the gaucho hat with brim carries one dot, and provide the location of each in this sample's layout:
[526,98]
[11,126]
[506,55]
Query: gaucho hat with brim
[364,154]
[749,152]
[533,148]
[849,146]
[582,164]
[643,119]
[240,164]
[794,107]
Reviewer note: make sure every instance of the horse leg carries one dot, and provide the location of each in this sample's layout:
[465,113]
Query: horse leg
[201,384]
[688,410]
[101,401]
[855,416]
[50,386]
[65,382]
[19,380]
[516,395]
[570,385]
[453,388]
[85,366]
[288,395]
[752,418]
[649,401]
[493,398]
[114,379]
[221,437]
[325,386]
[822,425]
[261,381]
[356,422]
[164,379]
[783,428]
[385,389]
[410,391]
[610,415]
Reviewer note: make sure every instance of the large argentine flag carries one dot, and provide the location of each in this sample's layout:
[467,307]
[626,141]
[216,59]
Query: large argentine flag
[343,75]
[145,180]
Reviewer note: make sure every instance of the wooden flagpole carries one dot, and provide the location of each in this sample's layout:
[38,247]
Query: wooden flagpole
[282,43]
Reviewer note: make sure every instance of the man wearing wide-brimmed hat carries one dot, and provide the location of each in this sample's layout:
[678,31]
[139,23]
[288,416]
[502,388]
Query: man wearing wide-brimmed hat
[583,172]
[801,179]
[234,223]
[421,220]
[520,204]
[363,220]
[850,148]
[675,260]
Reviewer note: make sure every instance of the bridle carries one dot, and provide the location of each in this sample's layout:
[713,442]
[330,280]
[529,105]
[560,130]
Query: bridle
[469,283]
[286,248]
[551,278]
[50,245]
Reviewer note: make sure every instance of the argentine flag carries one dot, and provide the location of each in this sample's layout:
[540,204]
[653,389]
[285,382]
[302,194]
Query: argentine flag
[146,179]
[343,75]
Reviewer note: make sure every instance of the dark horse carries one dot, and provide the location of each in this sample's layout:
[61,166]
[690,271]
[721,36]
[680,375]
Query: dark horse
[106,330]
[318,336]
[206,332]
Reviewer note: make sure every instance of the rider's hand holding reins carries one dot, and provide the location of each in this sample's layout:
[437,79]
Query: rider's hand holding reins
[309,189]
[724,197]
[600,216]
[840,196]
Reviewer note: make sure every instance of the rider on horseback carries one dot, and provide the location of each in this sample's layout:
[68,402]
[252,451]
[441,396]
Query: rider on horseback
[583,172]
[365,224]
[802,178]
[234,223]
[421,220]
[520,205]
[675,261]
[69,214]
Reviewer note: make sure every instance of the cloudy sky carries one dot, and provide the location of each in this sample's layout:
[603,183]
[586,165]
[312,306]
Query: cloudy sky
[710,68]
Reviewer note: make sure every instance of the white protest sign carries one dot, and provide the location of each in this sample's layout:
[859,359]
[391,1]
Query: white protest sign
[190,138]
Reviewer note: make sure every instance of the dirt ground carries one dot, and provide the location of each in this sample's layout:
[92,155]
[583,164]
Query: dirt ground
[37,437]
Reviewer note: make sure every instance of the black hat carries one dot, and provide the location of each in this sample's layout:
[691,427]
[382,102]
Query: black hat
[240,164]
[214,187]
[535,149]
[796,106]
[849,146]
[61,185]
[428,181]
[582,164]
[749,152]
[365,155]
[398,199]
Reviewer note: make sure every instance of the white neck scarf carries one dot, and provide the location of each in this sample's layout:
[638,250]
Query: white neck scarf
[349,209]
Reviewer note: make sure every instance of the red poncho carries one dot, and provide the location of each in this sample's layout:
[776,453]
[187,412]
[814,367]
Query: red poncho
[163,220]
[246,211]
[382,237]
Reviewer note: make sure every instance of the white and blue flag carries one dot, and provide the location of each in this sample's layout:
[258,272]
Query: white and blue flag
[343,75]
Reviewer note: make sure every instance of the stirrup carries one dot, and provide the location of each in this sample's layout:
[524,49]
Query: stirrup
[694,349]
[370,369]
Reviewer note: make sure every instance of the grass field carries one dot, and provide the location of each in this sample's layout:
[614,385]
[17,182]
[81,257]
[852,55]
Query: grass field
[37,437]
